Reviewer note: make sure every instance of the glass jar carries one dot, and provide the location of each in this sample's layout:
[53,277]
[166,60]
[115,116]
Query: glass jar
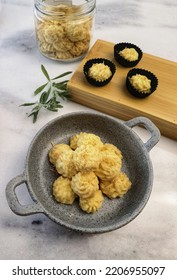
[64,28]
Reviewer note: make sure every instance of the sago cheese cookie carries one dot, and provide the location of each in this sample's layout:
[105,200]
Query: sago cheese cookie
[86,158]
[117,187]
[53,33]
[75,32]
[93,203]
[56,150]
[112,149]
[110,166]
[73,141]
[84,184]
[65,165]
[62,191]
[84,138]
[89,139]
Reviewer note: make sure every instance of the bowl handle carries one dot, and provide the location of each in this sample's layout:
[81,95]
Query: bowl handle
[148,124]
[14,204]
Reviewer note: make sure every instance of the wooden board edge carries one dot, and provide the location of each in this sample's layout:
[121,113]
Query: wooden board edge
[166,128]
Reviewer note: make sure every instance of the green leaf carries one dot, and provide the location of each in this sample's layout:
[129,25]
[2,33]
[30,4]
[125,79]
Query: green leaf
[44,97]
[27,104]
[62,75]
[35,115]
[36,108]
[39,89]
[45,72]
[59,106]
[56,92]
[62,85]
[52,109]
[63,95]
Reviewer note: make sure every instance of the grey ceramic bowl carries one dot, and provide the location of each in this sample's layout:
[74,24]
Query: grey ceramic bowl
[39,178]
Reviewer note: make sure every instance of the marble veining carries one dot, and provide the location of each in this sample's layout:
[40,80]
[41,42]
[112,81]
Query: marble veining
[152,235]
[22,41]
[120,13]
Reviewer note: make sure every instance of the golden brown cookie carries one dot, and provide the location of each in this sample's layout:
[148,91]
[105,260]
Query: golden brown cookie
[89,139]
[84,184]
[64,164]
[100,72]
[141,83]
[56,150]
[73,141]
[110,166]
[93,203]
[112,148]
[86,158]
[62,191]
[117,187]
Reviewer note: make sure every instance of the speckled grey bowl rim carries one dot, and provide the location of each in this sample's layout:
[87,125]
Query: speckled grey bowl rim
[98,227]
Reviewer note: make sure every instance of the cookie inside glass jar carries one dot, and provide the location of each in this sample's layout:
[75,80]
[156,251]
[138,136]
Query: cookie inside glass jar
[64,28]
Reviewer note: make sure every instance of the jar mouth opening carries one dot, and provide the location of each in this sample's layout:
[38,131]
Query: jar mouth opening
[63,9]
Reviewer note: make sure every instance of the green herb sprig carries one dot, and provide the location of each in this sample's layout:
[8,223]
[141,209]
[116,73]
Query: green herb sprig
[50,94]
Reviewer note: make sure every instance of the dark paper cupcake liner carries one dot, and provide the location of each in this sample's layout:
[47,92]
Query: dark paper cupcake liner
[121,60]
[148,74]
[91,80]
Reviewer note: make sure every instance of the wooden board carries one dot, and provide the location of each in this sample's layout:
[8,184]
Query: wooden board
[115,100]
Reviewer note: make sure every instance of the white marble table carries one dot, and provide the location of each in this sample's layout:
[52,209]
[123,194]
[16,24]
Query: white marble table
[153,234]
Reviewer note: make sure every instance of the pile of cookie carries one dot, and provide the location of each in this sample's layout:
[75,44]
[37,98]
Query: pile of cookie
[88,169]
[64,38]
